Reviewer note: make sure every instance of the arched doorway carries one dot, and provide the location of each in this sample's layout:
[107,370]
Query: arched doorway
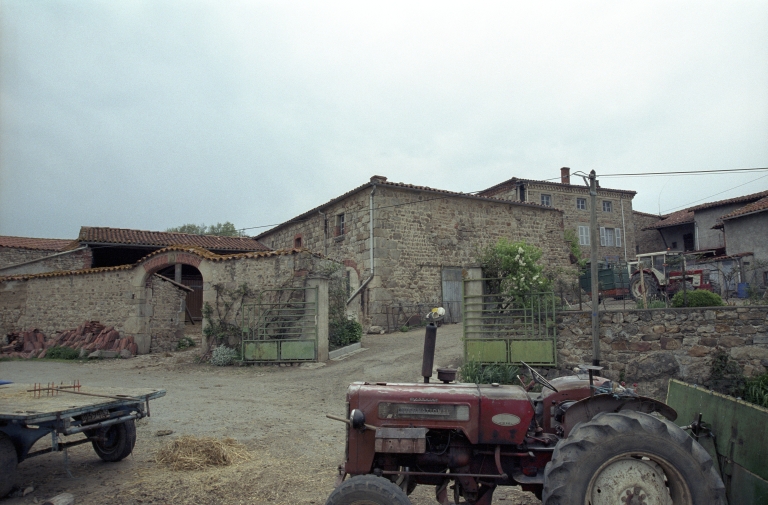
[191,277]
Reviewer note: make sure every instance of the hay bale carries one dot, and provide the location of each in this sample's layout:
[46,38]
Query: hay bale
[197,453]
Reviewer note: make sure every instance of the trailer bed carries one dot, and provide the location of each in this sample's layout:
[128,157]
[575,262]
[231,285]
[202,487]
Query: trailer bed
[19,404]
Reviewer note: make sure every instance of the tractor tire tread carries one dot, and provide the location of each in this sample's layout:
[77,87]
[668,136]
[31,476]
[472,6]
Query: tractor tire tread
[593,436]
[369,488]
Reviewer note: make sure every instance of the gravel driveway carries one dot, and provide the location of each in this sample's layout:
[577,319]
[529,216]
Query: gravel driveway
[278,413]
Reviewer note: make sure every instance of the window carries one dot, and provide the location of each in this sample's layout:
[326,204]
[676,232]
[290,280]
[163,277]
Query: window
[765,277]
[617,236]
[583,235]
[546,200]
[522,193]
[606,206]
[339,225]
[297,242]
[581,203]
[607,237]
[688,242]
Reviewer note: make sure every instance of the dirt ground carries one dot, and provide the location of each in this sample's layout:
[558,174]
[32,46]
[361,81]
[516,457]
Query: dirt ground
[278,413]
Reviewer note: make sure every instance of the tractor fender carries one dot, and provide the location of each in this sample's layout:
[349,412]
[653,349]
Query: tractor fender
[584,410]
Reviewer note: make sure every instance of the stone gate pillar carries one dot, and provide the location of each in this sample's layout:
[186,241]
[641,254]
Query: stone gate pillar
[321,283]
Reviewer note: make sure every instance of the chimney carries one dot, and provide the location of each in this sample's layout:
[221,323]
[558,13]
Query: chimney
[565,175]
[378,178]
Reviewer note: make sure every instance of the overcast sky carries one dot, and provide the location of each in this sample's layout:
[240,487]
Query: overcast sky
[153,114]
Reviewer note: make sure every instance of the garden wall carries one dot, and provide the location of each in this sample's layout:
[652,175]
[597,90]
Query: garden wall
[650,347]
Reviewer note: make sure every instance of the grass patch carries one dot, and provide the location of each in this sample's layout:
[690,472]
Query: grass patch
[479,373]
[61,352]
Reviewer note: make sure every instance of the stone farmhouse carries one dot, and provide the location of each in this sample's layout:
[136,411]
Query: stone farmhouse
[614,211]
[404,245]
[730,238]
[35,255]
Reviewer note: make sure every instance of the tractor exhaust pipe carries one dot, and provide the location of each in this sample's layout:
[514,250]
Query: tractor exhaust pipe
[428,358]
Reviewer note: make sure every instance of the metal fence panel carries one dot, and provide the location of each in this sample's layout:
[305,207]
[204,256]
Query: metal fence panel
[281,326]
[498,328]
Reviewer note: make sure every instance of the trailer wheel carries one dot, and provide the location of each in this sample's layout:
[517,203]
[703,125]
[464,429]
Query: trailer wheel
[115,442]
[368,490]
[8,462]
[631,458]
[636,289]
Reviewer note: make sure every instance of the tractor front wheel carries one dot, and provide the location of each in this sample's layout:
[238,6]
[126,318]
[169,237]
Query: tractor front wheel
[368,490]
[636,287]
[630,458]
[115,442]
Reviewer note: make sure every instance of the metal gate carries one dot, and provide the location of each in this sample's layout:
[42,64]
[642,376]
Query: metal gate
[281,326]
[452,280]
[502,329]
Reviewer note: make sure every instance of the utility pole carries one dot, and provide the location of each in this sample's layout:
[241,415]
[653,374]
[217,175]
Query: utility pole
[595,235]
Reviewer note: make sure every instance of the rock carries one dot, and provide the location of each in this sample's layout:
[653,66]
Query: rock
[102,354]
[652,366]
[163,433]
[375,329]
[698,351]
[125,354]
[670,343]
[751,352]
[731,341]
[93,355]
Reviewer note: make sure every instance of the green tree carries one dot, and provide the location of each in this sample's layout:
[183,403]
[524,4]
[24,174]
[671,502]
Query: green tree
[220,229]
[517,265]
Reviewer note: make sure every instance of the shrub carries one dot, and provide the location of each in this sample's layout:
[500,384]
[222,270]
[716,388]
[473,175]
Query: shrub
[478,373]
[697,298]
[223,355]
[344,332]
[652,304]
[185,343]
[60,352]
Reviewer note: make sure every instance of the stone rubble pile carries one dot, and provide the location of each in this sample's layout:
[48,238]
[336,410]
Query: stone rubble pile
[90,337]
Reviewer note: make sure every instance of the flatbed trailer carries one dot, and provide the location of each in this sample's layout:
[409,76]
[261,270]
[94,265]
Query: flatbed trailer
[105,416]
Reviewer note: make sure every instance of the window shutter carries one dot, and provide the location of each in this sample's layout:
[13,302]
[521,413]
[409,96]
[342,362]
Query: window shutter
[618,237]
[602,236]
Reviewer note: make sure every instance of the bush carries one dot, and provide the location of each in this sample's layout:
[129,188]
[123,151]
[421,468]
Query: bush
[60,352]
[344,332]
[478,373]
[185,343]
[652,304]
[223,355]
[697,298]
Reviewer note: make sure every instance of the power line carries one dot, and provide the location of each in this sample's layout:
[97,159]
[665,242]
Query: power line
[691,172]
[716,194]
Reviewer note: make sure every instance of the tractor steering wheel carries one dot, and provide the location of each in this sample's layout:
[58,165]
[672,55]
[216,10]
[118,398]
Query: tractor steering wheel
[537,377]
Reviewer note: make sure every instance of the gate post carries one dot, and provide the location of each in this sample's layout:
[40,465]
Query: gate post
[321,283]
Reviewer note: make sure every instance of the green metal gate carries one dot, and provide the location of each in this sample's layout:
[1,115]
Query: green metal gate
[281,326]
[502,329]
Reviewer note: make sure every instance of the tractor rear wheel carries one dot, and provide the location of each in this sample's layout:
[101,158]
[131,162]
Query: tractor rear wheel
[630,458]
[368,490]
[116,442]
[8,462]
[636,288]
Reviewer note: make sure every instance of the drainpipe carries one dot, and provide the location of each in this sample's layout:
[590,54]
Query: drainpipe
[370,238]
[624,228]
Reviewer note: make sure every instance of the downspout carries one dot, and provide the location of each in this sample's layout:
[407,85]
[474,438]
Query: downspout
[370,248]
[624,228]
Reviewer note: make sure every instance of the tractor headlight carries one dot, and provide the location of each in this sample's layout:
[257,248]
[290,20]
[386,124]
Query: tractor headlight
[357,419]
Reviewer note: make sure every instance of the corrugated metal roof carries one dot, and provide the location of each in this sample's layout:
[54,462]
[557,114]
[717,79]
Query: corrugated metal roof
[758,206]
[100,235]
[41,244]
[382,181]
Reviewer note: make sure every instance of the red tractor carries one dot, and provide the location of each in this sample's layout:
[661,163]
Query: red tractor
[662,272]
[582,440]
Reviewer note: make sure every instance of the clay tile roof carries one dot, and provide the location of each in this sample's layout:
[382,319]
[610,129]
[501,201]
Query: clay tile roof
[42,244]
[758,206]
[90,234]
[516,180]
[684,216]
[739,199]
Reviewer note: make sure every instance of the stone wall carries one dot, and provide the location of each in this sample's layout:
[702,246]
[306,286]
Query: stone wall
[647,241]
[416,234]
[70,260]
[167,319]
[652,346]
[60,302]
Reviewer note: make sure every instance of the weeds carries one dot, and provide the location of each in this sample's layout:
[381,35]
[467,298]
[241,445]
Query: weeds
[60,352]
[479,373]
